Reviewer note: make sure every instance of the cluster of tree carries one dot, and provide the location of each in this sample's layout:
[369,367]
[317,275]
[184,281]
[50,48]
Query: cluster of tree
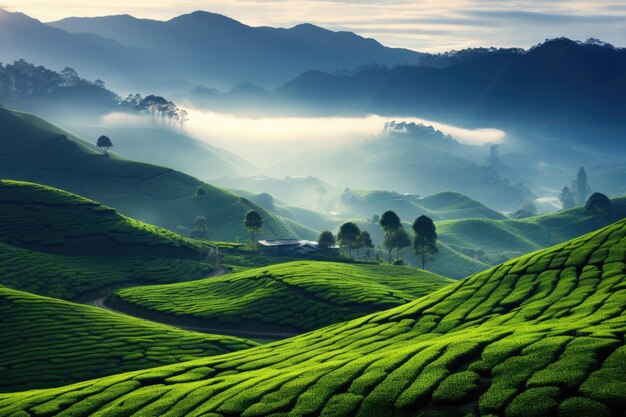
[24,80]
[577,194]
[415,130]
[155,106]
[396,240]
[350,238]
[201,231]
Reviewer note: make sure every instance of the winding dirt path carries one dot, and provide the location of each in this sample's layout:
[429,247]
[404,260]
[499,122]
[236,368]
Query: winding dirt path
[163,319]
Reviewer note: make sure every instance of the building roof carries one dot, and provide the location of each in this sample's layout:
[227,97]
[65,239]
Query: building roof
[289,243]
[279,242]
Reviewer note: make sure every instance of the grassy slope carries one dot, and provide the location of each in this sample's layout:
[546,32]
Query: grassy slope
[34,150]
[45,342]
[295,296]
[515,237]
[440,206]
[502,239]
[538,335]
[59,244]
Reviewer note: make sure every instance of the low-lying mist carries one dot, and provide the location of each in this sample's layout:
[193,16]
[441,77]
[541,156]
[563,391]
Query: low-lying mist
[266,139]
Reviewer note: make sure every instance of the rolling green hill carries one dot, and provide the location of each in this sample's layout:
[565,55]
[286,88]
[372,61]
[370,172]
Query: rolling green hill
[59,244]
[505,239]
[36,151]
[45,342]
[289,297]
[536,336]
[440,206]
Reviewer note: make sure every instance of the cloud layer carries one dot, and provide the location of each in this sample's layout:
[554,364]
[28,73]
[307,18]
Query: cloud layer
[426,25]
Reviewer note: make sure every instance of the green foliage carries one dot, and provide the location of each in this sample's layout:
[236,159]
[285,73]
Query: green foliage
[348,236]
[253,221]
[540,335]
[36,151]
[289,297]
[45,342]
[599,205]
[326,240]
[59,244]
[389,221]
[425,241]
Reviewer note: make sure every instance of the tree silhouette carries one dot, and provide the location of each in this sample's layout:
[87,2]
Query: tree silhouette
[104,143]
[397,240]
[389,221]
[326,241]
[366,242]
[581,186]
[348,236]
[201,231]
[567,198]
[425,241]
[599,205]
[253,222]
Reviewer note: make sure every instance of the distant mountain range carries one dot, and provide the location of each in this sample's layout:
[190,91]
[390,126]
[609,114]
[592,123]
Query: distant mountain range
[560,89]
[201,48]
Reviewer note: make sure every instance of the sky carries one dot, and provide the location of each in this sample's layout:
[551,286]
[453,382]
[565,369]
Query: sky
[423,25]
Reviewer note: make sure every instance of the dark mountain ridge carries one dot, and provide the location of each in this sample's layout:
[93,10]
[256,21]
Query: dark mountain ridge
[217,50]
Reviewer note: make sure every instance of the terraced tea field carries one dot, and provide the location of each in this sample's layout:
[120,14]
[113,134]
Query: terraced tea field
[83,277]
[516,237]
[45,342]
[541,335]
[37,151]
[290,297]
[51,220]
[59,244]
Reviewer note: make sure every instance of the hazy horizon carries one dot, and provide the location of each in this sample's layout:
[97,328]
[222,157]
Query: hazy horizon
[427,27]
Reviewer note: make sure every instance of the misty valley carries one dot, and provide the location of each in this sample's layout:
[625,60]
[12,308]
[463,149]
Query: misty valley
[201,217]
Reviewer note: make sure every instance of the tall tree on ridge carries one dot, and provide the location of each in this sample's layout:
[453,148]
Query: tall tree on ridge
[390,222]
[425,242]
[104,143]
[348,236]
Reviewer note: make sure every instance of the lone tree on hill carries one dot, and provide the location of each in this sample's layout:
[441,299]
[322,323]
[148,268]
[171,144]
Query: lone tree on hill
[599,205]
[104,143]
[326,241]
[201,231]
[366,242]
[348,237]
[253,222]
[567,198]
[581,186]
[425,242]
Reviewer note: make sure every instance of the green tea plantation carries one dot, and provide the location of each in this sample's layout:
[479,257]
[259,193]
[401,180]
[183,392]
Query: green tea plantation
[36,151]
[59,244]
[290,297]
[541,335]
[45,342]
